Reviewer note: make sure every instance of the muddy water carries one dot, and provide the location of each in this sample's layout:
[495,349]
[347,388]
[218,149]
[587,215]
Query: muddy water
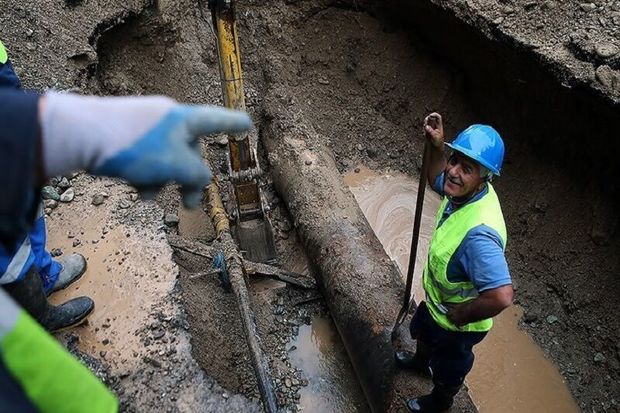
[511,373]
[126,276]
[332,386]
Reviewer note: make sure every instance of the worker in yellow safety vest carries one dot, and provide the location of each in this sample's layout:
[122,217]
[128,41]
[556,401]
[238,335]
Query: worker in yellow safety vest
[466,278]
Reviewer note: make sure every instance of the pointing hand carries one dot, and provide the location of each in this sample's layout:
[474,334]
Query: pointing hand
[147,141]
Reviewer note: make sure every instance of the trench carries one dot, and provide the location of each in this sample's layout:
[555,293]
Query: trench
[365,79]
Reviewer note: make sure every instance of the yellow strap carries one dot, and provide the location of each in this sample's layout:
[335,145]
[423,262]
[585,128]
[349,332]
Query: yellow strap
[3,54]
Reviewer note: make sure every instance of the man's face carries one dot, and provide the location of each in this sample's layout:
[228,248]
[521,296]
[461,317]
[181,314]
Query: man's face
[462,177]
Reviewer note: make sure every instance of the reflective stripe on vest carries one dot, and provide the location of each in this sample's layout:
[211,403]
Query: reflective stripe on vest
[4,56]
[444,243]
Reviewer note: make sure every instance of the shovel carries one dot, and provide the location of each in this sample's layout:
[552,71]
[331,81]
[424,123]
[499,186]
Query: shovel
[408,301]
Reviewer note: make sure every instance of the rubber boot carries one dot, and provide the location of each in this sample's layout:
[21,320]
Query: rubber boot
[418,362]
[29,293]
[73,267]
[440,400]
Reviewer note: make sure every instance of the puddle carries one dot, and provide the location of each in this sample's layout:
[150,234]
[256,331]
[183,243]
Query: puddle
[511,373]
[126,276]
[332,386]
[388,202]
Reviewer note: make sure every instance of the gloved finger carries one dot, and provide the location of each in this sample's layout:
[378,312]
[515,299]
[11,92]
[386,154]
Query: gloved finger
[204,120]
[192,175]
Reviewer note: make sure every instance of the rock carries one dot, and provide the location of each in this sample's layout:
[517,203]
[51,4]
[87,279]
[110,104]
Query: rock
[124,204]
[308,162]
[287,382]
[599,358]
[64,183]
[587,7]
[530,316]
[157,334]
[50,203]
[49,192]
[152,362]
[68,195]
[133,197]
[98,199]
[372,152]
[549,5]
[608,77]
[360,147]
[171,219]
[56,252]
[551,319]
[323,81]
[606,49]
[76,242]
[222,140]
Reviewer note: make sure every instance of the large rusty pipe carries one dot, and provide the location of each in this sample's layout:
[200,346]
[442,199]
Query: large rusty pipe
[362,285]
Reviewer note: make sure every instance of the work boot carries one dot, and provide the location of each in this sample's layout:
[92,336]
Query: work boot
[30,295]
[73,267]
[418,362]
[440,400]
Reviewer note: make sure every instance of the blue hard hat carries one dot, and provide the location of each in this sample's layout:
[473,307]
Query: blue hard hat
[483,144]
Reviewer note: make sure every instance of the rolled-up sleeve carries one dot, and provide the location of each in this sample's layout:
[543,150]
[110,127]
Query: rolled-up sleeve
[481,257]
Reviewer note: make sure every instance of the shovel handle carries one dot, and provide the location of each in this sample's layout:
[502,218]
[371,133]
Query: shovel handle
[417,221]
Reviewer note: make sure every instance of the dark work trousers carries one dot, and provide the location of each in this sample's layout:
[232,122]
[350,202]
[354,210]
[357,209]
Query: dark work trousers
[450,352]
[12,397]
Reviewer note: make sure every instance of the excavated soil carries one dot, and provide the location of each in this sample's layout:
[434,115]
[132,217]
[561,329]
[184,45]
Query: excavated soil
[364,73]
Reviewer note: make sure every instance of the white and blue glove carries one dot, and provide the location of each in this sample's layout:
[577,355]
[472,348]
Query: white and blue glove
[147,141]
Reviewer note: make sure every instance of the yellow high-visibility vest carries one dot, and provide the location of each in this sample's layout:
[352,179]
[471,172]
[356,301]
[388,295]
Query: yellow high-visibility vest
[3,54]
[446,239]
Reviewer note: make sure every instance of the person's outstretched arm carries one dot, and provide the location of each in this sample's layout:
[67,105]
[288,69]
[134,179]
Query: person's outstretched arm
[148,141]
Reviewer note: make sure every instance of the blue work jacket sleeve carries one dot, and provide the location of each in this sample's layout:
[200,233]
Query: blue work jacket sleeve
[19,158]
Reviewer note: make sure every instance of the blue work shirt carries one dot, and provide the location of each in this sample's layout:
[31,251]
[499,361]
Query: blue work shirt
[480,257]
